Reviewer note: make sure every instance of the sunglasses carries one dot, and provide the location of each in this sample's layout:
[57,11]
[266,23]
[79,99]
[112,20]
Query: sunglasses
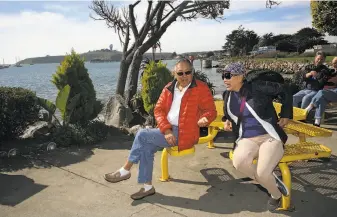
[227,75]
[182,73]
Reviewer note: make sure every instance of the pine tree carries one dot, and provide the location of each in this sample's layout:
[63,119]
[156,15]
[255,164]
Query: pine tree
[72,72]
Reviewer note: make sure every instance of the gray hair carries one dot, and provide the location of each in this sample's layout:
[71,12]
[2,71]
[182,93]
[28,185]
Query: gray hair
[320,53]
[185,60]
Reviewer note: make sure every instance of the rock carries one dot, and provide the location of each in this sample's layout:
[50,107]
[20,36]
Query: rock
[117,113]
[138,118]
[38,129]
[207,63]
[150,121]
[133,130]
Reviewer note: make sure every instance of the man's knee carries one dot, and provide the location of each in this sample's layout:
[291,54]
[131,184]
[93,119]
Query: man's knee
[297,99]
[146,137]
[142,133]
[320,94]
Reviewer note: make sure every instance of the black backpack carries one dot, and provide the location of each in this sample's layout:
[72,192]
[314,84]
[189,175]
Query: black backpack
[264,75]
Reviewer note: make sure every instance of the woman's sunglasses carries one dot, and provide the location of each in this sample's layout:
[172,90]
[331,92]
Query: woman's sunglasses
[182,73]
[227,75]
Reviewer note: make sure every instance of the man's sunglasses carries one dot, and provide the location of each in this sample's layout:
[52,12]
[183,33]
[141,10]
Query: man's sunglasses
[227,75]
[182,73]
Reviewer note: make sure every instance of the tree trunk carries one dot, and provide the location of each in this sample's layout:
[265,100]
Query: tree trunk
[133,77]
[123,73]
[153,54]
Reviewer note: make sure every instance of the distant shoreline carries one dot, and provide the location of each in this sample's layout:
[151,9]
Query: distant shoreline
[91,56]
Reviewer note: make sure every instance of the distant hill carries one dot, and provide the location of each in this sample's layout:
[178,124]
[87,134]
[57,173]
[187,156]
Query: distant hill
[99,55]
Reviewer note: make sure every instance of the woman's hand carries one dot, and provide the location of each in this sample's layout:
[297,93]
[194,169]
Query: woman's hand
[170,138]
[283,121]
[227,126]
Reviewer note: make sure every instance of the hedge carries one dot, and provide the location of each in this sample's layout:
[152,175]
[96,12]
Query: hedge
[18,109]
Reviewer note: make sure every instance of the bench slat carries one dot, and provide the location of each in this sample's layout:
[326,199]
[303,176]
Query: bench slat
[301,151]
[308,129]
[298,113]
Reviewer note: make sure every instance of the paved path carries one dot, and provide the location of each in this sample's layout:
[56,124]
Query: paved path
[69,183]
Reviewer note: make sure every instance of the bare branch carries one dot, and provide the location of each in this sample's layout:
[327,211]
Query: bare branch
[271,3]
[136,3]
[149,7]
[160,15]
[144,31]
[120,38]
[132,19]
[171,11]
[127,39]
[158,33]
[110,15]
[174,9]
[197,7]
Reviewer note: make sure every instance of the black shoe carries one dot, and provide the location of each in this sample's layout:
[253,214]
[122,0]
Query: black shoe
[281,186]
[274,204]
[316,125]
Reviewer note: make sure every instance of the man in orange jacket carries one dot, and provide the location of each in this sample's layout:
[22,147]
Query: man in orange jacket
[184,105]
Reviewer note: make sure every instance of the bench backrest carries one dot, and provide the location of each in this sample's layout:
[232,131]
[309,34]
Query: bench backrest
[298,114]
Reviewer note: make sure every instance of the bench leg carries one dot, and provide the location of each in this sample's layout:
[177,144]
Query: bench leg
[211,142]
[302,137]
[286,177]
[164,166]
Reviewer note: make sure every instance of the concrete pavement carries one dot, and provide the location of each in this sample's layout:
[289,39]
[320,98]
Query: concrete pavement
[70,183]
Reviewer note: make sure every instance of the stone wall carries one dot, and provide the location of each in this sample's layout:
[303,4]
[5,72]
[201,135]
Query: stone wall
[282,66]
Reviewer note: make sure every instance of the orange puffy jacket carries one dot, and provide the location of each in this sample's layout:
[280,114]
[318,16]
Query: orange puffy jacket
[196,103]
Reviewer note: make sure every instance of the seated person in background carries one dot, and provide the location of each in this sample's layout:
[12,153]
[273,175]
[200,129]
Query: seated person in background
[325,96]
[184,105]
[250,114]
[315,79]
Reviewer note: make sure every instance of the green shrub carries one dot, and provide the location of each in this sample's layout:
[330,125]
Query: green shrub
[18,109]
[93,133]
[72,72]
[154,79]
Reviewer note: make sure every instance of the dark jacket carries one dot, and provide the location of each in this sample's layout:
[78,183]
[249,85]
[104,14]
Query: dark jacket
[323,75]
[259,101]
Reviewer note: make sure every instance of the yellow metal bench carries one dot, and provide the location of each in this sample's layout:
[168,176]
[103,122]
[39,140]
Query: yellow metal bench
[303,130]
[300,151]
[296,152]
[295,127]
[298,114]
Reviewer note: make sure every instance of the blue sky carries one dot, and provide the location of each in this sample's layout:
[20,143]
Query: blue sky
[40,28]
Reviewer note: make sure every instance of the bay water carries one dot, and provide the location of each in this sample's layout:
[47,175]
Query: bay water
[37,78]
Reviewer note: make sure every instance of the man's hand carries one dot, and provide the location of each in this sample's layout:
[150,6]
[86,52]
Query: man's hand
[203,122]
[313,74]
[227,126]
[283,121]
[170,138]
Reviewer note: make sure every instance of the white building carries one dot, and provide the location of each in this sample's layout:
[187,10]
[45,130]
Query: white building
[265,49]
[326,48]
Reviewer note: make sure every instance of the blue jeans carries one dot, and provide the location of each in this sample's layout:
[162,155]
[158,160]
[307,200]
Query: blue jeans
[305,96]
[321,99]
[146,144]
